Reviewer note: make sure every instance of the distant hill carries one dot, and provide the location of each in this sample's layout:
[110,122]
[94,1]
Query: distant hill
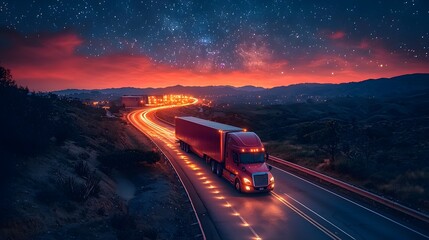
[250,88]
[114,93]
[384,87]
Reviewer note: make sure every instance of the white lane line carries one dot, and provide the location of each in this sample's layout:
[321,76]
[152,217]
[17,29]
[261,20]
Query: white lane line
[315,213]
[357,204]
[186,190]
[306,217]
[158,130]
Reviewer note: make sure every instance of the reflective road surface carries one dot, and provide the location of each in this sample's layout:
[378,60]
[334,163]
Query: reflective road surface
[297,209]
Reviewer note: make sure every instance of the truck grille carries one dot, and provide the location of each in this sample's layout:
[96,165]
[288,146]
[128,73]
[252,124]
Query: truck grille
[260,179]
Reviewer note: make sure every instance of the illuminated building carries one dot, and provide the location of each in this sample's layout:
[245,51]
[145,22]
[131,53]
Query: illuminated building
[129,101]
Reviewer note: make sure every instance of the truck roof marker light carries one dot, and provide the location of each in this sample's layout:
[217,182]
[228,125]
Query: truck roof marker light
[244,130]
[199,173]
[236,214]
[242,150]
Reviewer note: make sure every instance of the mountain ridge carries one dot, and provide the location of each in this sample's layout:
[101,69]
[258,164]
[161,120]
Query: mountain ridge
[381,87]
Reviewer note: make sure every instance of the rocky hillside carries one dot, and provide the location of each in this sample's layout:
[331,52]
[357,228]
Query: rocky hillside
[69,172]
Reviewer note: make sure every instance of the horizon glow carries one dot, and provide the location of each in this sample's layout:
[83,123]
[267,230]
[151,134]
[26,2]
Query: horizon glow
[61,46]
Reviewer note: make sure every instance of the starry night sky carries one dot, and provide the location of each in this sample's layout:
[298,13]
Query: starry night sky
[56,44]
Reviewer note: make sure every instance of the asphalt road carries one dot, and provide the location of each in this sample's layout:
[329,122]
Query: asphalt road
[297,209]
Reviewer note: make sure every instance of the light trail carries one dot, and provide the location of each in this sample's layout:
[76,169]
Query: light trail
[141,120]
[209,186]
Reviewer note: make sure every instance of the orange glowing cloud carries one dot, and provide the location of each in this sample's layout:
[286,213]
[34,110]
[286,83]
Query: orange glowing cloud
[47,62]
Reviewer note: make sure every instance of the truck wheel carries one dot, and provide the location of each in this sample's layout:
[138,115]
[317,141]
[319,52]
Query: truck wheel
[237,185]
[213,166]
[219,170]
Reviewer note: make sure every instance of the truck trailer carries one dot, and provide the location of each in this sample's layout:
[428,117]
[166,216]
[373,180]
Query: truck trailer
[232,152]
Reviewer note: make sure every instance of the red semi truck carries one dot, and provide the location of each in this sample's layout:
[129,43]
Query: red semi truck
[232,152]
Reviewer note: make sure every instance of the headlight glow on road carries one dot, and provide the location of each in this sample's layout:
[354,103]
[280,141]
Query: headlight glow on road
[140,119]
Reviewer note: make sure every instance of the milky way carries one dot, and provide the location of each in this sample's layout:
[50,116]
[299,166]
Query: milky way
[285,39]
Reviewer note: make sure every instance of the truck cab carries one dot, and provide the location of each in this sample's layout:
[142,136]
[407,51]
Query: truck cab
[245,163]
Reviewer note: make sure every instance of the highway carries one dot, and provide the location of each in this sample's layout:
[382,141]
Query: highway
[297,209]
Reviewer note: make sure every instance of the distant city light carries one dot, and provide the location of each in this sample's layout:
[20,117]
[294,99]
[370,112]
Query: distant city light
[170,99]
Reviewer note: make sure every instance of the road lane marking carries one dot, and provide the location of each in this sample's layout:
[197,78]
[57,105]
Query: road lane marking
[315,213]
[167,137]
[141,128]
[169,133]
[357,204]
[245,223]
[306,217]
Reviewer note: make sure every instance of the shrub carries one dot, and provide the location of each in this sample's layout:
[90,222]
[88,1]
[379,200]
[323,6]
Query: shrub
[82,169]
[80,191]
[128,160]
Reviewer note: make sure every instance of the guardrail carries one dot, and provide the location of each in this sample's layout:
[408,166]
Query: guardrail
[389,203]
[386,202]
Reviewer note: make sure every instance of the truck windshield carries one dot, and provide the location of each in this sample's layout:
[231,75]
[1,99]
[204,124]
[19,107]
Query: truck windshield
[252,158]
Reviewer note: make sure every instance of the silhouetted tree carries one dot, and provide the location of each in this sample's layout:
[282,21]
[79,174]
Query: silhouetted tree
[29,120]
[6,78]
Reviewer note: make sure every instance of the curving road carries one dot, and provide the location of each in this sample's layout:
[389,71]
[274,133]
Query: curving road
[297,209]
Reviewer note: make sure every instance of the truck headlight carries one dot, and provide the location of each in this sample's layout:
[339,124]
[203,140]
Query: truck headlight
[247,181]
[271,179]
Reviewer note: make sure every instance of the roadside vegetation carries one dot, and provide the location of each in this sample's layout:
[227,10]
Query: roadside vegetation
[381,145]
[69,172]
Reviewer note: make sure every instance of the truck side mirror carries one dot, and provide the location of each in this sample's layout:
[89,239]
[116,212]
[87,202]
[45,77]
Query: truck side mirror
[270,167]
